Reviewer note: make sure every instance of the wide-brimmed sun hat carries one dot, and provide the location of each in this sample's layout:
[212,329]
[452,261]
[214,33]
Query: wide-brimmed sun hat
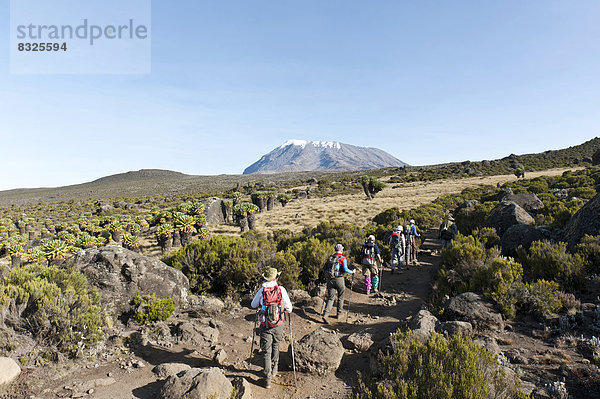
[398,228]
[339,247]
[271,274]
[412,221]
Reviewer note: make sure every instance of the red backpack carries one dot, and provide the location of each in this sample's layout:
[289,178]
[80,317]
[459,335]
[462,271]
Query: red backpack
[273,306]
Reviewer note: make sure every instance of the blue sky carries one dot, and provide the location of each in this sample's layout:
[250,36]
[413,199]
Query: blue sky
[427,81]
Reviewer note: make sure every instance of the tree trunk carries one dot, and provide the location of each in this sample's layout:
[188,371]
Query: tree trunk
[251,221]
[270,203]
[15,261]
[226,213]
[367,191]
[22,230]
[243,223]
[165,243]
[31,235]
[283,203]
[116,236]
[186,238]
[176,238]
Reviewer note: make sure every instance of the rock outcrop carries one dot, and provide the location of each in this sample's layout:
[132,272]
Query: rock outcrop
[213,209]
[9,371]
[585,221]
[360,341]
[507,214]
[528,201]
[196,334]
[121,274]
[197,383]
[319,352]
[475,309]
[519,234]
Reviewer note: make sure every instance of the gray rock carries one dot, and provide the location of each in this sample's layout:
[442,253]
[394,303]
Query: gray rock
[206,304]
[121,274]
[506,214]
[9,371]
[213,209]
[519,234]
[466,204]
[490,344]
[424,320]
[166,370]
[528,201]
[585,221]
[298,295]
[360,341]
[319,352]
[197,384]
[475,309]
[220,357]
[456,327]
[195,334]
[243,388]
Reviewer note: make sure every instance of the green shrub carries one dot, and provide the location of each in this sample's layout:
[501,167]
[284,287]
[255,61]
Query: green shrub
[55,305]
[538,185]
[500,282]
[543,297]
[549,261]
[589,250]
[452,368]
[583,192]
[470,218]
[487,236]
[149,308]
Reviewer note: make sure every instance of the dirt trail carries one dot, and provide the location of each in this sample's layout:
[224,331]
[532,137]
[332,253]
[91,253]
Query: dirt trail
[372,314]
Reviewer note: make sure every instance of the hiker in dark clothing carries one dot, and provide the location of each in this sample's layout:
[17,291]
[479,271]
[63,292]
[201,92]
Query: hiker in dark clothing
[273,300]
[397,244]
[447,232]
[411,243]
[369,255]
[337,284]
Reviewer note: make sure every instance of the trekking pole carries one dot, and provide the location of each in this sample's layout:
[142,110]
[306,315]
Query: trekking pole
[253,335]
[350,297]
[380,276]
[293,356]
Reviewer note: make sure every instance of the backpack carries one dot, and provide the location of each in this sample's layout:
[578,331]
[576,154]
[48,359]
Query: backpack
[395,240]
[273,306]
[367,253]
[446,234]
[332,267]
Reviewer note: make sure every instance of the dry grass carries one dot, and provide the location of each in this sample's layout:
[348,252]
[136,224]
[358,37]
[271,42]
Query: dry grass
[356,209]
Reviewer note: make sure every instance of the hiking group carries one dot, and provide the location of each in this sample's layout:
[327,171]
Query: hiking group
[273,301]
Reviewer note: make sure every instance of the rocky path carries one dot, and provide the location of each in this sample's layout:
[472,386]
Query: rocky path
[123,373]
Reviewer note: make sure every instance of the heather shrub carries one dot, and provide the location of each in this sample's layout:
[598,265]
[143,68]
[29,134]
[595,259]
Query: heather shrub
[312,254]
[552,262]
[55,305]
[538,185]
[500,282]
[542,297]
[589,250]
[583,192]
[441,368]
[487,236]
[149,308]
[470,218]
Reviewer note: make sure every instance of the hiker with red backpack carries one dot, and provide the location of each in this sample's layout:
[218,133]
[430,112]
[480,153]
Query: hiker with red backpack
[274,302]
[369,255]
[334,270]
[397,244]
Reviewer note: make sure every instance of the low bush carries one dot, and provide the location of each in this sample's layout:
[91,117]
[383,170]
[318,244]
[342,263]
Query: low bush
[551,261]
[589,250]
[440,368]
[149,308]
[471,218]
[542,297]
[54,305]
[500,282]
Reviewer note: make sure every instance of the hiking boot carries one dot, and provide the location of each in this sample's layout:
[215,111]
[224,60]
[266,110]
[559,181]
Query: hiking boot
[267,383]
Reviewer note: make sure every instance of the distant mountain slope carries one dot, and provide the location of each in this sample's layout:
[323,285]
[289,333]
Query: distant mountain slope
[142,174]
[301,155]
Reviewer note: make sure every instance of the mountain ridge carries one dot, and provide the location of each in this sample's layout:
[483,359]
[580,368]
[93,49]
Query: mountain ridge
[303,155]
